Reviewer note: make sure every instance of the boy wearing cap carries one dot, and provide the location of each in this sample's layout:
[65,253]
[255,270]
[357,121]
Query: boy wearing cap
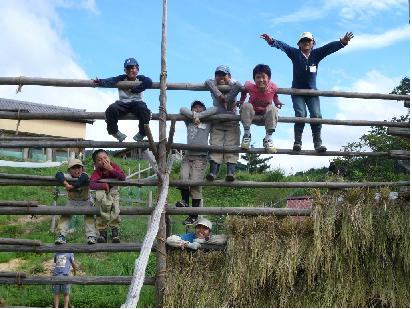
[194,162]
[226,133]
[130,101]
[261,94]
[194,240]
[79,196]
[305,66]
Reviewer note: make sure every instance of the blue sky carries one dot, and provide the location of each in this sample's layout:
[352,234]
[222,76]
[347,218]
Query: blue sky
[88,39]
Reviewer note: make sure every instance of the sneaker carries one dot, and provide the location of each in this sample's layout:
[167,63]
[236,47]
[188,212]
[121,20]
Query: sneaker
[116,240]
[190,220]
[119,136]
[246,141]
[297,146]
[182,204]
[138,137]
[91,240]
[269,146]
[60,240]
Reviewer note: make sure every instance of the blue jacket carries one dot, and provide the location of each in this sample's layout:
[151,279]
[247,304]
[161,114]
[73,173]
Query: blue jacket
[302,77]
[136,92]
[190,237]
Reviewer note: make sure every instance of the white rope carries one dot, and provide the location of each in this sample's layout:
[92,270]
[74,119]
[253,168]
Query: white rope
[141,261]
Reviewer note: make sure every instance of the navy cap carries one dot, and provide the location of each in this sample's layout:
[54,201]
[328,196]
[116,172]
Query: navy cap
[197,102]
[223,68]
[130,61]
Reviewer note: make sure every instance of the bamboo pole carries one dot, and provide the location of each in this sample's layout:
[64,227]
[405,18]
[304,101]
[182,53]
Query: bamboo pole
[37,81]
[12,241]
[221,117]
[79,280]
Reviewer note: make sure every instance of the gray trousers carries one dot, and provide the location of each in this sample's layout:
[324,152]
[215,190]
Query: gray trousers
[225,134]
[270,116]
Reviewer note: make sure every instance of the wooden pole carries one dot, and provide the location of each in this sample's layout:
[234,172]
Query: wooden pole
[34,180]
[178,117]
[12,241]
[13,274]
[161,235]
[20,203]
[190,86]
[79,280]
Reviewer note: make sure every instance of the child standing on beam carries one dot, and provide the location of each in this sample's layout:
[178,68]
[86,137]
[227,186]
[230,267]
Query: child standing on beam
[194,162]
[106,197]
[77,195]
[305,69]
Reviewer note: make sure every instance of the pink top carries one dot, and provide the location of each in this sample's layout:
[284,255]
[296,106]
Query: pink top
[117,173]
[260,100]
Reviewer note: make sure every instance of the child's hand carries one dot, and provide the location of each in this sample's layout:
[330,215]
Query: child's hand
[239,103]
[95,81]
[69,188]
[347,38]
[267,38]
[279,104]
[227,106]
[107,166]
[107,189]
[197,122]
[222,100]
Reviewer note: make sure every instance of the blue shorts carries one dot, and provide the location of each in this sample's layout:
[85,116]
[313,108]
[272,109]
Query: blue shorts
[61,288]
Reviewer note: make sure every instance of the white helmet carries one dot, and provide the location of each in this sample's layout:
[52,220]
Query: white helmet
[306,35]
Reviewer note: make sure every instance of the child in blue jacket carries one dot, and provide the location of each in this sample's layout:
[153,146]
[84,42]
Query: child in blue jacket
[130,101]
[305,67]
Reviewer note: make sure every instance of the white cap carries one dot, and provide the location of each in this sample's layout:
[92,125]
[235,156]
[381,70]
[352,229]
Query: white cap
[205,222]
[306,35]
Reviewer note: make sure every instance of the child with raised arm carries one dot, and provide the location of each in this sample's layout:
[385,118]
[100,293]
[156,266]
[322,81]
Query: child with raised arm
[261,95]
[79,196]
[305,67]
[194,162]
[130,101]
[107,198]
[224,133]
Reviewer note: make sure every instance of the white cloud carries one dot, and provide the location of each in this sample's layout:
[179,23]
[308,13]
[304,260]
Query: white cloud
[375,41]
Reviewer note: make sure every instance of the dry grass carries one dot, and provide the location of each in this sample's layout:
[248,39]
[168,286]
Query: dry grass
[353,253]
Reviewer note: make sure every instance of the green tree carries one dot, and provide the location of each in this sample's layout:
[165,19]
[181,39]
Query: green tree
[378,168]
[254,163]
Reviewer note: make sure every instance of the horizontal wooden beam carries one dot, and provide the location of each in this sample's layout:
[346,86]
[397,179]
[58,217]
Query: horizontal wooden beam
[219,149]
[86,248]
[37,81]
[258,120]
[34,180]
[19,203]
[402,132]
[130,210]
[18,274]
[79,280]
[12,241]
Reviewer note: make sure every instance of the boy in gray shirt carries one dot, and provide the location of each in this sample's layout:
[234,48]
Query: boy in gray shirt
[225,133]
[194,162]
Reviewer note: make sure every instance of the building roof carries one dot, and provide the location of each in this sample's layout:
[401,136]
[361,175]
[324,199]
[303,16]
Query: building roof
[9,105]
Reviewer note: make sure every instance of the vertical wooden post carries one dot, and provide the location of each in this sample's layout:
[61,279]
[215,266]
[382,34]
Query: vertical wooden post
[161,236]
[149,218]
